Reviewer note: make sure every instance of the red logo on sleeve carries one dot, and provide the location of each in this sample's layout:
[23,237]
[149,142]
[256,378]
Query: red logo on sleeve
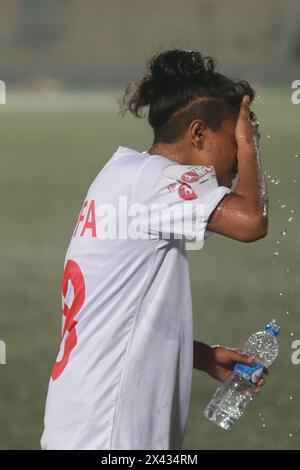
[186,192]
[171,187]
[190,177]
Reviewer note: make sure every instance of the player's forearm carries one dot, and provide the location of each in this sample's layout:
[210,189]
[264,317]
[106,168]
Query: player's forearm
[243,214]
[251,185]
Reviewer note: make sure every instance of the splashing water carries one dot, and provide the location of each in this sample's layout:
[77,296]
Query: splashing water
[287,310]
[262,419]
[283,232]
[275,179]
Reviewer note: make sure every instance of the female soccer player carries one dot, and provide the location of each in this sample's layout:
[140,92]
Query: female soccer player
[122,378]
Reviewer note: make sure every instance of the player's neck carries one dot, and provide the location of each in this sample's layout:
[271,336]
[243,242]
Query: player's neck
[176,152]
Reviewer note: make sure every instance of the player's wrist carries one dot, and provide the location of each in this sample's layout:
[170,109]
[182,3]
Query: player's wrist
[202,356]
[247,149]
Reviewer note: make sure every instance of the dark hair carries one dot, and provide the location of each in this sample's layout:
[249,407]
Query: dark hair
[182,85]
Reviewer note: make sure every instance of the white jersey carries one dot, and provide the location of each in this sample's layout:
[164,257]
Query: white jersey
[122,378]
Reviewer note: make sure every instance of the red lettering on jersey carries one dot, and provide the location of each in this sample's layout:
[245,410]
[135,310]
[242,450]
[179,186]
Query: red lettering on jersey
[80,218]
[73,274]
[190,177]
[186,192]
[90,221]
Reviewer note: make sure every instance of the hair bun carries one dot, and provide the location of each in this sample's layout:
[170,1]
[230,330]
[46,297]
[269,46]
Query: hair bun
[180,64]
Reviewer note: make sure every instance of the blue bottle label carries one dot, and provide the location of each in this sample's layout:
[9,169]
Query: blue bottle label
[251,373]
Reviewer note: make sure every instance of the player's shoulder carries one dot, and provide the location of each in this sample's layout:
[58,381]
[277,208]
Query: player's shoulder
[138,165]
[128,161]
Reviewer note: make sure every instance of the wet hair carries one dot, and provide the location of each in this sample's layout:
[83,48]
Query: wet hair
[180,86]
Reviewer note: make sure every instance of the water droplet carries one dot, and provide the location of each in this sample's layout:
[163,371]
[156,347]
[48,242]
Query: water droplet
[281,293]
[283,232]
[290,435]
[294,180]
[292,211]
[283,206]
[273,262]
[290,219]
[292,334]
[276,180]
[264,425]
[287,312]
[278,242]
[296,155]
[291,397]
[276,253]
[278,403]
[287,270]
[268,136]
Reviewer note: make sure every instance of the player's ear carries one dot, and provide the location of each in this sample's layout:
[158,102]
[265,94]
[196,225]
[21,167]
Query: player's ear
[197,132]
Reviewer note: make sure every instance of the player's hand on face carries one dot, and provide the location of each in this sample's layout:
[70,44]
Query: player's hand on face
[247,126]
[222,361]
[255,127]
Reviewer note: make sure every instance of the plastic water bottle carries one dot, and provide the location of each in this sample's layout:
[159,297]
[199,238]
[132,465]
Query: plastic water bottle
[231,398]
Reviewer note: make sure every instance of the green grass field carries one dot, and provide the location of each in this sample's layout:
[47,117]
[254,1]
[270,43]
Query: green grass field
[51,148]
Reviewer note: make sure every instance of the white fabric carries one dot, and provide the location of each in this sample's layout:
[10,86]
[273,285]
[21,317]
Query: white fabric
[127,382]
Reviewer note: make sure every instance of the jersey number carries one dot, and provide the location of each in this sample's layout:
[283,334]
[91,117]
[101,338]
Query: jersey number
[72,274]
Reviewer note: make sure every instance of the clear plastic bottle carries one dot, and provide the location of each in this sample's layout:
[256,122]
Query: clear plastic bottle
[231,398]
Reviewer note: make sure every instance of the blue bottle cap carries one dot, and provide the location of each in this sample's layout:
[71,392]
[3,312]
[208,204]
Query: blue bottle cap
[273,329]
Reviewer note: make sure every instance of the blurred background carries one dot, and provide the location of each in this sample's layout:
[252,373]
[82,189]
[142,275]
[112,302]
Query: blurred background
[65,64]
